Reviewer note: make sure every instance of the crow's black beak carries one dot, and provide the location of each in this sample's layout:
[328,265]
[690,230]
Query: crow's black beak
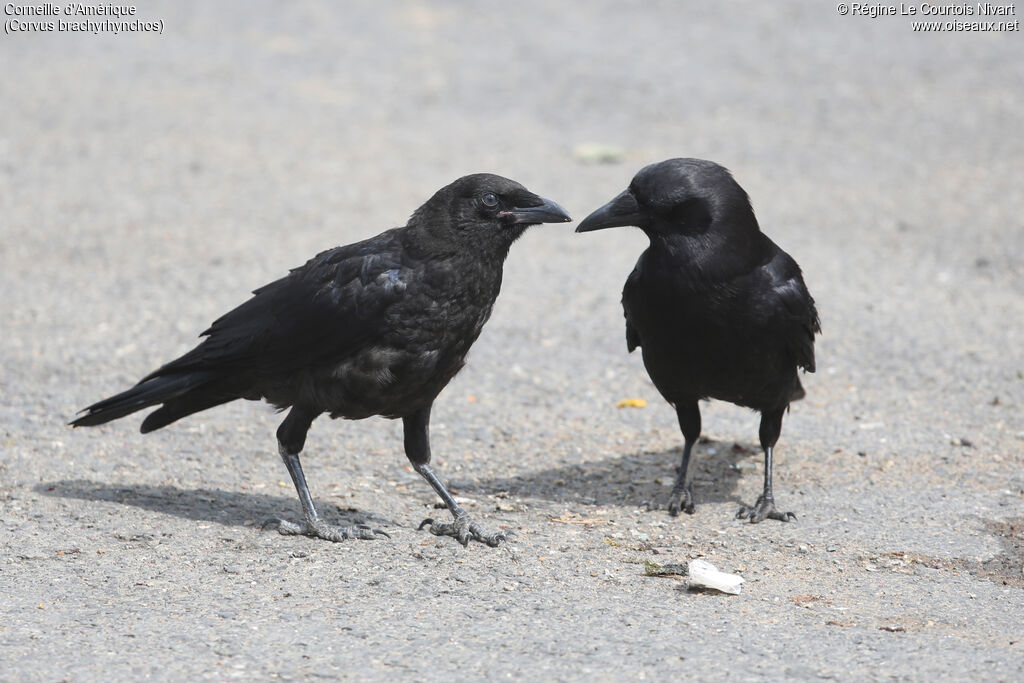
[546,212]
[623,210]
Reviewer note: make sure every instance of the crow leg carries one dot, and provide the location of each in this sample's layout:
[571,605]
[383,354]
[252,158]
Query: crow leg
[681,498]
[291,437]
[764,507]
[417,449]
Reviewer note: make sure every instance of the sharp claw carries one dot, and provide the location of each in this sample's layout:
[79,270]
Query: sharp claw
[368,533]
[782,516]
[427,521]
[284,527]
[681,500]
[327,532]
[763,509]
[463,530]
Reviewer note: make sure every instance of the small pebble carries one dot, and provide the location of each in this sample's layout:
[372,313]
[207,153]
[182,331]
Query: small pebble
[598,153]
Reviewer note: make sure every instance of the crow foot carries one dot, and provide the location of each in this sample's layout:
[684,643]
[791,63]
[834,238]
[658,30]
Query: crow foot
[681,500]
[763,509]
[328,532]
[463,530]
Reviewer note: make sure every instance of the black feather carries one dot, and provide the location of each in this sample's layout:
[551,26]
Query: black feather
[148,392]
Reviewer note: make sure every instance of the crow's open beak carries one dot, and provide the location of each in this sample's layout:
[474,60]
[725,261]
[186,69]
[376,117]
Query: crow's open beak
[546,212]
[623,210]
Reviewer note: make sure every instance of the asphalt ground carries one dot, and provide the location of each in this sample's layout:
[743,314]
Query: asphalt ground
[150,180]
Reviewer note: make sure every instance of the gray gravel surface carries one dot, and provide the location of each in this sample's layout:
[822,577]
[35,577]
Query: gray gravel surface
[149,181]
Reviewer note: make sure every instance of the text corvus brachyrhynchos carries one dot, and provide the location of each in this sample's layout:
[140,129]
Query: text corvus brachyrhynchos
[374,328]
[719,310]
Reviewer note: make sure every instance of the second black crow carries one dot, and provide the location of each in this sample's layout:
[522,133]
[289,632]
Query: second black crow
[373,328]
[718,309]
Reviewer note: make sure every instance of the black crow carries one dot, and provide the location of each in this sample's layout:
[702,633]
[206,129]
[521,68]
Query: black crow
[719,310]
[373,328]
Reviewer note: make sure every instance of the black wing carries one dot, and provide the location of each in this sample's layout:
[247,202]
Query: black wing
[787,302]
[323,310]
[632,336]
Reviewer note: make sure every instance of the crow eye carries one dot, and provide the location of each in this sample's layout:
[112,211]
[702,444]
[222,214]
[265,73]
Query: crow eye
[490,200]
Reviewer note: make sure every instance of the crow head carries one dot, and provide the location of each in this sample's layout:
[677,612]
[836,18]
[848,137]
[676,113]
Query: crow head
[486,209]
[678,197]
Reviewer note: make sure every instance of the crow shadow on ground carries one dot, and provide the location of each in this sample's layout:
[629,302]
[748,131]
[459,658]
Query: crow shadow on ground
[230,508]
[643,479]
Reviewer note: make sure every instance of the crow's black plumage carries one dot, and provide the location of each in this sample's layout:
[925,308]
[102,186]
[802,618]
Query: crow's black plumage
[718,309]
[373,328]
